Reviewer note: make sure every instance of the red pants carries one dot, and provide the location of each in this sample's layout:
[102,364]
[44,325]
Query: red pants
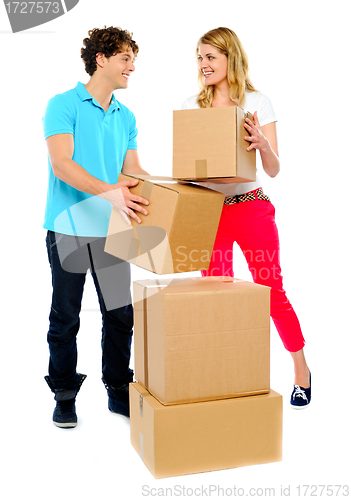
[252,225]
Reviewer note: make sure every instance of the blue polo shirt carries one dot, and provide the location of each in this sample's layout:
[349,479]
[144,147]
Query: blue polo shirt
[101,141]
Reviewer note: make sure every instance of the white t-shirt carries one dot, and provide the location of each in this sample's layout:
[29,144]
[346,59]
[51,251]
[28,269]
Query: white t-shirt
[254,101]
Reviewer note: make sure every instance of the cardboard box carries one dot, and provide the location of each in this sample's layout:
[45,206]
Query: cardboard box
[176,236]
[199,339]
[203,437]
[208,143]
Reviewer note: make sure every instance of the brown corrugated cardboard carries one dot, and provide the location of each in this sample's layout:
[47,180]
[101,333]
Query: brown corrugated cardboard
[176,236]
[208,143]
[208,436]
[197,339]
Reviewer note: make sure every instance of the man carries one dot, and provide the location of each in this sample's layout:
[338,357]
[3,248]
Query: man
[91,138]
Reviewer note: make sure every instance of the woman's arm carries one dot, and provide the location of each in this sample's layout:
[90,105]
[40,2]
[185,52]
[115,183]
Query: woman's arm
[265,140]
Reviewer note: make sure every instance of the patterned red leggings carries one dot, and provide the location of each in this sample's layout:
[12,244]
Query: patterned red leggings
[252,225]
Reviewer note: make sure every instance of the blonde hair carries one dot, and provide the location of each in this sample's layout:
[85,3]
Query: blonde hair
[227,42]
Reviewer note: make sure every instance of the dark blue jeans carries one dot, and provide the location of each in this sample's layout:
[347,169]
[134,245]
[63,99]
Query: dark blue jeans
[70,258]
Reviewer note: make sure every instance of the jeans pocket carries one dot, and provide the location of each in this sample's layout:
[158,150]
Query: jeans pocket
[53,239]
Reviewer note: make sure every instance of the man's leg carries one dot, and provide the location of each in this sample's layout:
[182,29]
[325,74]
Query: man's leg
[112,281]
[67,293]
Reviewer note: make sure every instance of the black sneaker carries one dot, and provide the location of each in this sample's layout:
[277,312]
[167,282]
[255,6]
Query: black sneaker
[65,411]
[301,397]
[118,399]
[65,414]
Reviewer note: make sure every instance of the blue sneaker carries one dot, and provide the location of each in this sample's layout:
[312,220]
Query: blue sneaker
[301,397]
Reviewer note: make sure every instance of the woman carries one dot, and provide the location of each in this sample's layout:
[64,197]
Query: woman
[249,219]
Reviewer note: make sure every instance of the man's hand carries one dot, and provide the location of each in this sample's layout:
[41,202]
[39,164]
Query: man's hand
[127,203]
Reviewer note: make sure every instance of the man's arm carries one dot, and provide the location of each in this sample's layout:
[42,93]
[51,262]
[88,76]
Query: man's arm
[131,164]
[61,147]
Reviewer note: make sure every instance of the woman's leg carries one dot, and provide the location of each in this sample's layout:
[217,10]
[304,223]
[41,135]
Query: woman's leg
[257,236]
[302,372]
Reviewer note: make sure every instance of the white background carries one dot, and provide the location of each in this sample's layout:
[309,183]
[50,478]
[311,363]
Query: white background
[299,56]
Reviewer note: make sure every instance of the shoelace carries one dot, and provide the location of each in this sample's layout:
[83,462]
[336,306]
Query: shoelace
[299,393]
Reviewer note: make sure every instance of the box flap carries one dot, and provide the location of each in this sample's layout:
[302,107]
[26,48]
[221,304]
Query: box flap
[189,285]
[246,159]
[161,181]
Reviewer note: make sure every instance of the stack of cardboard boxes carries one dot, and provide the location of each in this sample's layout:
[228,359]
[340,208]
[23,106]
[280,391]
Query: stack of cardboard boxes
[202,345]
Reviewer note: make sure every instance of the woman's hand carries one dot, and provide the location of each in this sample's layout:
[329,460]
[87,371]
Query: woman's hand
[265,141]
[257,139]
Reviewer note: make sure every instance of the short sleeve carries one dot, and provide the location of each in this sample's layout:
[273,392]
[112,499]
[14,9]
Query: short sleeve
[133,132]
[265,112]
[190,103]
[59,117]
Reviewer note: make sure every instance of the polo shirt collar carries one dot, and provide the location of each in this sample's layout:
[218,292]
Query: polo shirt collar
[114,101]
[85,96]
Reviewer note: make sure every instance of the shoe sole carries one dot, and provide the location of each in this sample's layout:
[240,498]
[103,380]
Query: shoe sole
[67,425]
[119,413]
[295,407]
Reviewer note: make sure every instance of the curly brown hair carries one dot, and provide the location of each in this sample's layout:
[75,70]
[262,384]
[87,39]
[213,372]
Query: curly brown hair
[109,41]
